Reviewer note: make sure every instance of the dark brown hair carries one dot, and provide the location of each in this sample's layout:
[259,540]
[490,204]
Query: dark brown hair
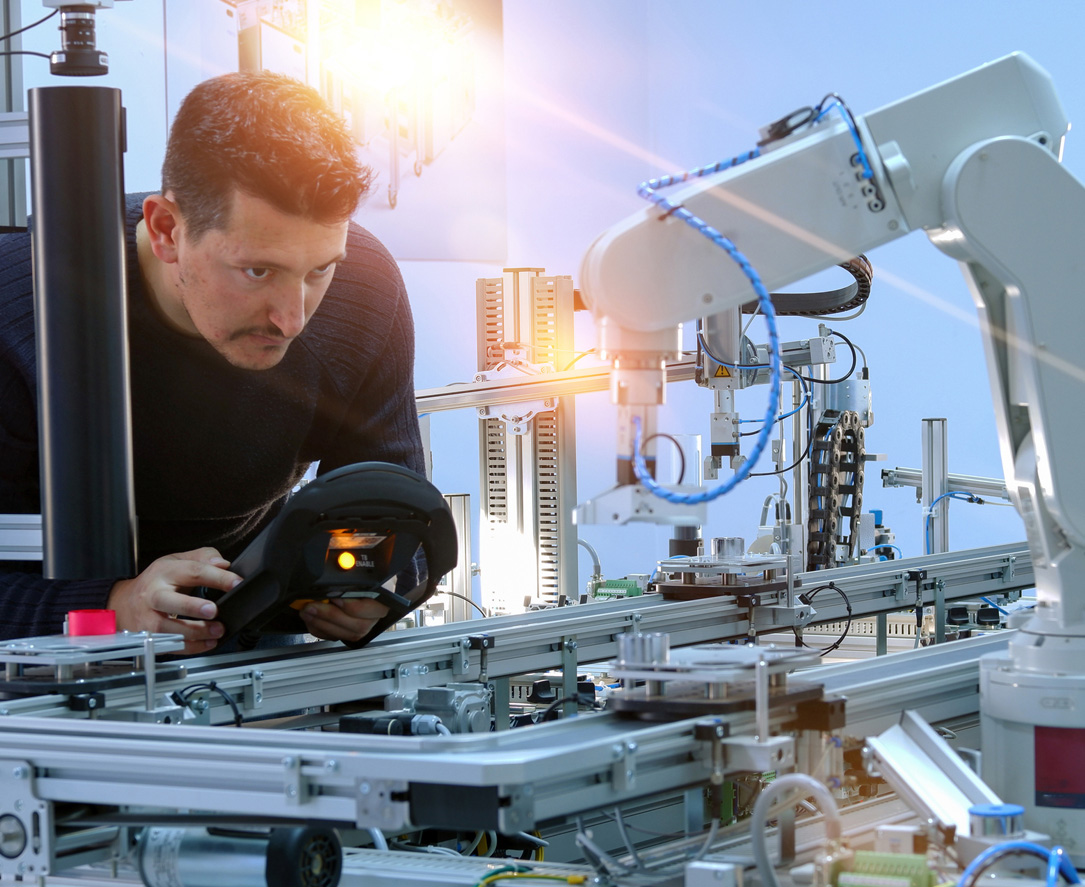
[267,135]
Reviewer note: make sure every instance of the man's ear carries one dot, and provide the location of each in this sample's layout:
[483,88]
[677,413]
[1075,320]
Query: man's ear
[163,223]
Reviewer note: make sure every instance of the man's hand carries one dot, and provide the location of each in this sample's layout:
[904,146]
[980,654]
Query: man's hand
[154,599]
[342,620]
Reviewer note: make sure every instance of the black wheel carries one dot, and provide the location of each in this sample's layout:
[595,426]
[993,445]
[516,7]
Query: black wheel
[304,857]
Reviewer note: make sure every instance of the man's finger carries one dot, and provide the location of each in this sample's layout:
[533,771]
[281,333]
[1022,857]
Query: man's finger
[199,636]
[360,608]
[176,603]
[330,623]
[192,574]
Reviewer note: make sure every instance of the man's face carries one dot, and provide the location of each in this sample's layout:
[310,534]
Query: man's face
[249,289]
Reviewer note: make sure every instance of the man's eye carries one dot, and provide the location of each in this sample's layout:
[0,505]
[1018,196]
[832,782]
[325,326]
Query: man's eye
[257,273]
[323,269]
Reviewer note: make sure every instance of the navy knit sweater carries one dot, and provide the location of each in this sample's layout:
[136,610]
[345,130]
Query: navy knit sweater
[216,448]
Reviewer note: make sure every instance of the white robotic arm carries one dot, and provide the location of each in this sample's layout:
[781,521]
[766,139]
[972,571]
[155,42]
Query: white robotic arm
[975,163]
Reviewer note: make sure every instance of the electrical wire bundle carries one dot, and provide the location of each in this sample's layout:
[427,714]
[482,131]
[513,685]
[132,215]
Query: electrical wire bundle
[804,382]
[808,599]
[185,695]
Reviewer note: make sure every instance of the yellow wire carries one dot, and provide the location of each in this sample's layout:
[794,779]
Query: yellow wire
[501,876]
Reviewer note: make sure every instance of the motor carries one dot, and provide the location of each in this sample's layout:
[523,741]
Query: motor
[307,856]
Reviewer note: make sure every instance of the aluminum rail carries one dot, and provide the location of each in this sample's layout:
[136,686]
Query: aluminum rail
[272,682]
[992,487]
[900,584]
[20,537]
[516,389]
[509,780]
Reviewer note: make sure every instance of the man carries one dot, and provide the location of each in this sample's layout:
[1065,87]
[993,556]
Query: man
[266,332]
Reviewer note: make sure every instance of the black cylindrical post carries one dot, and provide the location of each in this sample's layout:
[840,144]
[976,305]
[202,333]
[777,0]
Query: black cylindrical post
[80,304]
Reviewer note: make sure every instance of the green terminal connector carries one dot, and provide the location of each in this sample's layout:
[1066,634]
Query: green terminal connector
[617,588]
[865,868]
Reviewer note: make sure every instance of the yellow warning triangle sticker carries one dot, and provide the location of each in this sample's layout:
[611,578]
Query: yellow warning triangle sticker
[722,373]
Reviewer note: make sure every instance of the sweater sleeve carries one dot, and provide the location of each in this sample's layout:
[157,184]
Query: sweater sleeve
[367,344]
[34,606]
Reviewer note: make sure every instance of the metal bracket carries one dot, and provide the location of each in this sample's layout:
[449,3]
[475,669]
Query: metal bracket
[713,732]
[409,676]
[623,772]
[900,589]
[461,662]
[518,416]
[569,667]
[26,827]
[519,814]
[1008,570]
[295,786]
[787,616]
[379,804]
[254,693]
[747,754]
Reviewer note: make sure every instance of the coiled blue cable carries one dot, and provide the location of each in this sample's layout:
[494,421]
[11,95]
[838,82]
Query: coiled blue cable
[647,190]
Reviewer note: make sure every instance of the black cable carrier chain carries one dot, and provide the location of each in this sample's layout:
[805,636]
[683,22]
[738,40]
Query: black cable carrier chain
[836,478]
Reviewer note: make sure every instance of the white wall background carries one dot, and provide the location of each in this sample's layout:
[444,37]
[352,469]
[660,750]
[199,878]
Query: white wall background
[604,94]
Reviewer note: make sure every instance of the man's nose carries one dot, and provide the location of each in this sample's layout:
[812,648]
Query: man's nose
[287,310]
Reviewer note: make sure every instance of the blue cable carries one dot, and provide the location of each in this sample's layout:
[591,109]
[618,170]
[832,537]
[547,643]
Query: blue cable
[782,416]
[987,600]
[760,366]
[1058,863]
[961,496]
[794,372]
[647,190]
[835,102]
[886,545]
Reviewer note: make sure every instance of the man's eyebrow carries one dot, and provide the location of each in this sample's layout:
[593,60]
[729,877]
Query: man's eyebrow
[246,262]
